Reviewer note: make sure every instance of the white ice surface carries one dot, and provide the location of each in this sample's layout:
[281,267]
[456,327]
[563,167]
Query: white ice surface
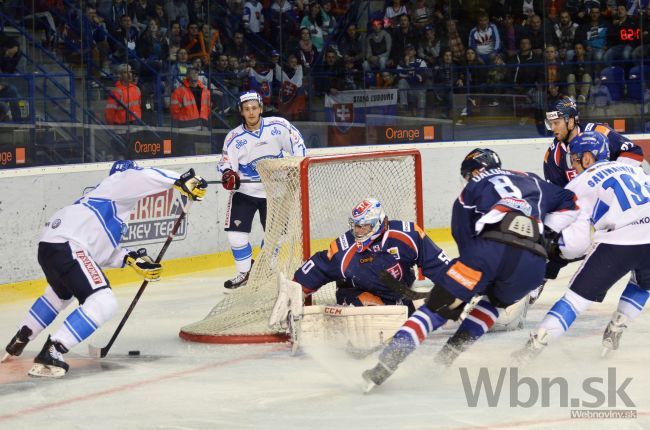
[181,385]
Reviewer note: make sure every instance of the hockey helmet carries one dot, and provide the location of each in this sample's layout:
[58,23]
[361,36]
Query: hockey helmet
[122,165]
[479,158]
[589,141]
[368,212]
[564,108]
[248,96]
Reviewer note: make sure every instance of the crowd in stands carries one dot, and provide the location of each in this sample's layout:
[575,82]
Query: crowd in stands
[286,49]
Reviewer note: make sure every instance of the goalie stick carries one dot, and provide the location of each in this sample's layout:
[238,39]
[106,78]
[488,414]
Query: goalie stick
[243,181]
[102,352]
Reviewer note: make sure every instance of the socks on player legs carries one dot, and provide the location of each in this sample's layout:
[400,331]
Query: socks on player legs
[563,313]
[44,310]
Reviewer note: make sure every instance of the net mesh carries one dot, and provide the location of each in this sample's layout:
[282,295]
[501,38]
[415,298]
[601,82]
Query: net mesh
[335,185]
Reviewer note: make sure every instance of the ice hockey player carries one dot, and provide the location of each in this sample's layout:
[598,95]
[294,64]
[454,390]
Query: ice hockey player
[497,225]
[373,260]
[614,198]
[76,242]
[563,121]
[256,139]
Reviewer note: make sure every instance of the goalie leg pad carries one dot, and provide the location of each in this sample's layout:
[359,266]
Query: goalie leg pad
[289,302]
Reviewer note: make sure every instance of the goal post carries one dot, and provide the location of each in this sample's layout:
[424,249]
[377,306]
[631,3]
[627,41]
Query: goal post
[309,201]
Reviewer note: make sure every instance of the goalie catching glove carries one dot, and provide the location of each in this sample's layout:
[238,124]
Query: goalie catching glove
[191,185]
[143,265]
[289,302]
[230,180]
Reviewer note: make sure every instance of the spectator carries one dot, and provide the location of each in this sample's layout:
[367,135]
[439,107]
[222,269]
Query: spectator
[553,69]
[113,13]
[593,35]
[314,23]
[643,51]
[178,69]
[198,11]
[497,77]
[163,20]
[283,19]
[253,18]
[292,94]
[203,76]
[329,22]
[621,48]
[237,48]
[525,69]
[351,45]
[227,84]
[329,79]
[140,12]
[443,78]
[454,41]
[565,34]
[579,74]
[125,43]
[393,12]
[191,41]
[12,58]
[429,48]
[174,40]
[211,45]
[412,74]
[352,76]
[153,50]
[9,96]
[538,34]
[307,53]
[524,9]
[190,102]
[511,33]
[485,38]
[472,75]
[378,48]
[402,36]
[123,103]
[177,10]
[421,15]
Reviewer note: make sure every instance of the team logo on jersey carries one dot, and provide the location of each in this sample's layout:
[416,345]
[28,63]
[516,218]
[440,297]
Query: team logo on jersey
[275,131]
[56,223]
[395,271]
[237,222]
[366,260]
[394,251]
[240,142]
[343,115]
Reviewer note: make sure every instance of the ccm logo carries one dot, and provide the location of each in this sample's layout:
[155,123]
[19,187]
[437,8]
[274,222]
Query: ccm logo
[333,311]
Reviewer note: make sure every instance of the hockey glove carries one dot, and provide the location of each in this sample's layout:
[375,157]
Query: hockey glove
[191,185]
[230,180]
[143,265]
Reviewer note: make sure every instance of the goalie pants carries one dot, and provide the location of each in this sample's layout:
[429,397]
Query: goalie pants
[70,271]
[241,210]
[502,272]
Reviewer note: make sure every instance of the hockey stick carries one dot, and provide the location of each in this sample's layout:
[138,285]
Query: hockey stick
[243,181]
[102,352]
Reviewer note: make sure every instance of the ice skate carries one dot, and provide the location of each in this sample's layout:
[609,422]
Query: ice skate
[49,363]
[238,281]
[376,376]
[17,343]
[535,345]
[613,332]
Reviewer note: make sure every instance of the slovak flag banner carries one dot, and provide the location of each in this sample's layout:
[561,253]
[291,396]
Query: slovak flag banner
[346,113]
[261,82]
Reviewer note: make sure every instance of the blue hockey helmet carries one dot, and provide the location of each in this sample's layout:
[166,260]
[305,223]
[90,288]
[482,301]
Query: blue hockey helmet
[368,212]
[564,108]
[122,165]
[479,158]
[250,95]
[589,141]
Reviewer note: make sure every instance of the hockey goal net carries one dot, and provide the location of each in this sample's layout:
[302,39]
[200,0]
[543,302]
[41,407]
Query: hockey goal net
[309,201]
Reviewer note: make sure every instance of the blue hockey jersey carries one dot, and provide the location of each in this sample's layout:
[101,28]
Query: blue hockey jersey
[558,170]
[402,246]
[488,196]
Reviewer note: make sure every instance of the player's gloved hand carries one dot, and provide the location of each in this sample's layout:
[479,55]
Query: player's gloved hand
[230,180]
[191,185]
[143,265]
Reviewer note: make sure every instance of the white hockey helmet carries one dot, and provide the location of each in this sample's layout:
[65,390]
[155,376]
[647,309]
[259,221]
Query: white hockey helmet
[122,165]
[368,212]
[250,95]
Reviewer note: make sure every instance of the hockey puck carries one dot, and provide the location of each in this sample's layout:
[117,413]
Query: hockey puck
[134,353]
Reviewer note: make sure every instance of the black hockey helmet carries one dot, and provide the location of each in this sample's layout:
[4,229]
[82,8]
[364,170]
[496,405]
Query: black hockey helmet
[479,158]
[564,108]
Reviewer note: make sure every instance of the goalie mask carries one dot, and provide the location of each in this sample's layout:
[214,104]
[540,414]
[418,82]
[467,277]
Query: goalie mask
[122,165]
[371,220]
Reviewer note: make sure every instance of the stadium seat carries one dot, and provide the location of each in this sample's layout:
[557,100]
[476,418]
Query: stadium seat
[613,78]
[635,83]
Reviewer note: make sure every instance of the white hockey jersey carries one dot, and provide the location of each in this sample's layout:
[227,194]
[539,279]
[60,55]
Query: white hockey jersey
[95,221]
[613,197]
[243,149]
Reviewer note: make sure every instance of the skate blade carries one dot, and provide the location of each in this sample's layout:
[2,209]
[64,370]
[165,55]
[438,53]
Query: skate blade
[606,350]
[6,357]
[43,371]
[368,386]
